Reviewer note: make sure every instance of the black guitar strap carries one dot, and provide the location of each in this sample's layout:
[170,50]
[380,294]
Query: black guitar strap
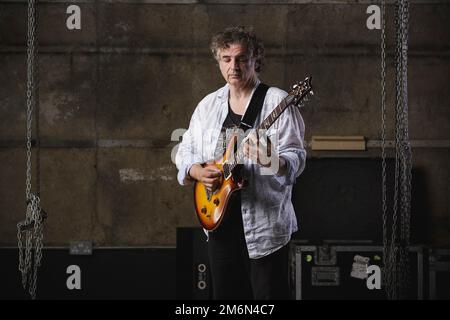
[254,108]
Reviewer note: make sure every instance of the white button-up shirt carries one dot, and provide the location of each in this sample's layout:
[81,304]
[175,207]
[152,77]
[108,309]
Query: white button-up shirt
[267,211]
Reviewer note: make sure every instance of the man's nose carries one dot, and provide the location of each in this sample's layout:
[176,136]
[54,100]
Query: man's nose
[234,64]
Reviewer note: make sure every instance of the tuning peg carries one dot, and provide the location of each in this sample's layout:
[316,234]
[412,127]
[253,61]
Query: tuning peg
[311,92]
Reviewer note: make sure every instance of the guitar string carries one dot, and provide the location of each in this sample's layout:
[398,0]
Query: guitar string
[264,126]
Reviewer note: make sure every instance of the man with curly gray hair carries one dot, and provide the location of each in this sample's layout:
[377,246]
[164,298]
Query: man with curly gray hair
[248,251]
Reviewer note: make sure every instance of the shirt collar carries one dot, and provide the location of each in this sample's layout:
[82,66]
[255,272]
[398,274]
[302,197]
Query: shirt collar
[226,90]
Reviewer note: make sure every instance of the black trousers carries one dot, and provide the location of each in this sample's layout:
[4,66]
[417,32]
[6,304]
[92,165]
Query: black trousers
[234,275]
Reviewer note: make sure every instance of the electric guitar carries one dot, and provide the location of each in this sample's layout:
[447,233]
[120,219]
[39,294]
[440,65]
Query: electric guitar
[211,206]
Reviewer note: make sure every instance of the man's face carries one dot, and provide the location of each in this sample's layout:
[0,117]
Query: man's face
[236,65]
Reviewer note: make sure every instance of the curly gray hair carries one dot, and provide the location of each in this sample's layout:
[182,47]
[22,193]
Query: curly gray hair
[239,35]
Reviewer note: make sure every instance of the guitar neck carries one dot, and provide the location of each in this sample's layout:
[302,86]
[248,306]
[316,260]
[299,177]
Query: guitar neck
[266,124]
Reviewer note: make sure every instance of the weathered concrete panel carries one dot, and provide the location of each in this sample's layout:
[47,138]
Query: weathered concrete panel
[348,96]
[13,96]
[305,26]
[320,28]
[275,71]
[139,199]
[190,25]
[67,193]
[52,29]
[429,98]
[269,22]
[67,97]
[12,193]
[308,27]
[13,25]
[145,96]
[429,26]
[205,78]
[323,28]
[134,25]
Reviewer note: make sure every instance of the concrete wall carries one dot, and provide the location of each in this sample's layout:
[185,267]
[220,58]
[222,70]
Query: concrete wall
[112,93]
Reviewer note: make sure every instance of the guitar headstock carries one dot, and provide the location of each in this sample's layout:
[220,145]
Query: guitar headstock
[300,92]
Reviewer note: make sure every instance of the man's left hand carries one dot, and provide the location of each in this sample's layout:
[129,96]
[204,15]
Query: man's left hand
[258,150]
[261,151]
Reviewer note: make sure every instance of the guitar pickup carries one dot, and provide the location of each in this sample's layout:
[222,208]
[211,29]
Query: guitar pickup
[226,170]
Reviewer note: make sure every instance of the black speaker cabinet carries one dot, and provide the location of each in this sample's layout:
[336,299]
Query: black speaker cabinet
[340,198]
[105,273]
[193,278]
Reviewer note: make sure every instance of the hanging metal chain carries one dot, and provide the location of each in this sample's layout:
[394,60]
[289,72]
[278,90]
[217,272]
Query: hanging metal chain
[396,253]
[404,151]
[387,272]
[31,228]
[393,247]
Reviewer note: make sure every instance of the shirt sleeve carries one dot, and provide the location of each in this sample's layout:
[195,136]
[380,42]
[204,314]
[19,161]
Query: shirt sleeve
[189,152]
[290,133]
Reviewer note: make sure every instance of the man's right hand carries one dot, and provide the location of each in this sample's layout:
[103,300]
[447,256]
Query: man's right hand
[210,176]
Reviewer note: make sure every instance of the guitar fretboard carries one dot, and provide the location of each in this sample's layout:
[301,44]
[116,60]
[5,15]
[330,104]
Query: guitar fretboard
[266,124]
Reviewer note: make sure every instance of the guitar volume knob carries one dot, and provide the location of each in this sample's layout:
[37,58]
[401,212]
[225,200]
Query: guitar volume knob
[216,201]
[203,210]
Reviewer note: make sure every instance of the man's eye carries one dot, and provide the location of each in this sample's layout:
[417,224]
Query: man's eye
[226,60]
